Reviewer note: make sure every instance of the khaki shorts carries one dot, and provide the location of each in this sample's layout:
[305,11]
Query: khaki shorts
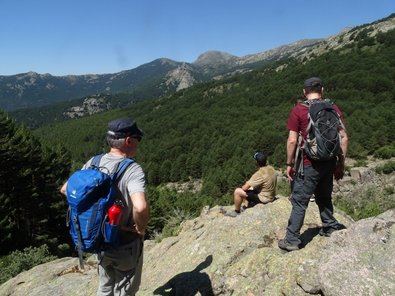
[254,198]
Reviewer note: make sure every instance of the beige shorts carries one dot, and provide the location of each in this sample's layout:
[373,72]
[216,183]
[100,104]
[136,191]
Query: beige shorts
[253,197]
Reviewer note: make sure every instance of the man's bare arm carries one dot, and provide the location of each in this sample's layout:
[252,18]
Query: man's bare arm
[291,146]
[140,212]
[344,141]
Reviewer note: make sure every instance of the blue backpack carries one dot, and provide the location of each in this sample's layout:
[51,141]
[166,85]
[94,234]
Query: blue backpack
[90,193]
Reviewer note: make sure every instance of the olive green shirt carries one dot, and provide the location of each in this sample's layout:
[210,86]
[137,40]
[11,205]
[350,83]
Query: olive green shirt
[264,182]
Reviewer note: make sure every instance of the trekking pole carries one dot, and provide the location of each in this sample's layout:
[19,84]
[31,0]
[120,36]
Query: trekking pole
[79,246]
[299,156]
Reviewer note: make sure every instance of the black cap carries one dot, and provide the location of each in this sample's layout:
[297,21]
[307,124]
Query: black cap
[123,127]
[260,157]
[313,82]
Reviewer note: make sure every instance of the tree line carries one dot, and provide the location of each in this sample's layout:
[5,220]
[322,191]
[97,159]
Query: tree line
[32,212]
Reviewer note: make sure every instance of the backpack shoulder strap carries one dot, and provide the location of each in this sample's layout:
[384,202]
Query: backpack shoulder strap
[305,103]
[329,101]
[121,168]
[96,160]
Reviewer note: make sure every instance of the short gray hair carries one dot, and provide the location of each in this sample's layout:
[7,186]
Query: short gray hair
[115,143]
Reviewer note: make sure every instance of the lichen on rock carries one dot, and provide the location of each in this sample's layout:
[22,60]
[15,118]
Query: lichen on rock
[218,255]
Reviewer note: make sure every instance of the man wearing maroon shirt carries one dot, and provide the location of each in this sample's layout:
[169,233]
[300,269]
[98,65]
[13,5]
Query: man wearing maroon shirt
[317,177]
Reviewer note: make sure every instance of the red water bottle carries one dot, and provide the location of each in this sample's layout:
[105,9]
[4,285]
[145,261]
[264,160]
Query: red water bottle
[114,214]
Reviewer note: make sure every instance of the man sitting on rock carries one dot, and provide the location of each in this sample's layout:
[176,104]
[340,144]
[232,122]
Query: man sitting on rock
[260,188]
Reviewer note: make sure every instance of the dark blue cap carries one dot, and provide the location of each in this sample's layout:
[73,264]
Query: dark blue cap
[260,156]
[313,82]
[123,127]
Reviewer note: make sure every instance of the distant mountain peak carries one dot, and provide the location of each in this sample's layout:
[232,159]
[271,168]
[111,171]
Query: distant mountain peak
[214,57]
[164,61]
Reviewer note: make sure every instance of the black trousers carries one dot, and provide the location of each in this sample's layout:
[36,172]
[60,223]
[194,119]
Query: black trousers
[317,179]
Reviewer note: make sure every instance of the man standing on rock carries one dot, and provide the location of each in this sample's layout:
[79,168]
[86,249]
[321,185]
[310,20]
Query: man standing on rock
[260,188]
[315,175]
[120,267]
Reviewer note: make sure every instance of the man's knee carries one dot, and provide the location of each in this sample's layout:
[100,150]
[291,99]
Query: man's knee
[240,192]
[300,199]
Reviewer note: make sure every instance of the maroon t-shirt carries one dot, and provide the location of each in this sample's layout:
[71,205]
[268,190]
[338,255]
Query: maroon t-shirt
[298,122]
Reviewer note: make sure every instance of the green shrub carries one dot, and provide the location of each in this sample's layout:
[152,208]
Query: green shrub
[357,151]
[385,152]
[366,202]
[173,222]
[283,188]
[19,261]
[386,168]
[360,163]
[169,208]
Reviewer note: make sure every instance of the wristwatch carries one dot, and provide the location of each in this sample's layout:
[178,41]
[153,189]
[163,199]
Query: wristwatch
[289,164]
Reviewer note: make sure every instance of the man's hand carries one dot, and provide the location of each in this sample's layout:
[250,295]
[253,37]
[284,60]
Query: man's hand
[140,232]
[134,228]
[290,173]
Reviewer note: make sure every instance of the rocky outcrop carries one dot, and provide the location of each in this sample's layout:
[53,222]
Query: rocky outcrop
[280,52]
[192,185]
[181,77]
[60,277]
[359,261]
[345,38]
[364,189]
[215,254]
[90,105]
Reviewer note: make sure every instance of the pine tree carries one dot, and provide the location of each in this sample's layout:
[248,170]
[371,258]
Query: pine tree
[30,177]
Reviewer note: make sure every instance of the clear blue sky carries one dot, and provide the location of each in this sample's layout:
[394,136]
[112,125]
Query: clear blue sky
[105,36]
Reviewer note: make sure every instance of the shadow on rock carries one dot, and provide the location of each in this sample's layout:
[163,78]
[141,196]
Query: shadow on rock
[189,283]
[308,235]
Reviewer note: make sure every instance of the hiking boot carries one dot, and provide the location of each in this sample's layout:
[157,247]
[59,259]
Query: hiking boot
[232,214]
[327,231]
[285,245]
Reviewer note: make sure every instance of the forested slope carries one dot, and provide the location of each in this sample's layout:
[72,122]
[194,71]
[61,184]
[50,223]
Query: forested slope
[32,210]
[212,129]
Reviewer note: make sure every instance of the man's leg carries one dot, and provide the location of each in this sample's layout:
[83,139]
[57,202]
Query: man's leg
[302,190]
[128,281]
[324,199]
[239,196]
[106,279]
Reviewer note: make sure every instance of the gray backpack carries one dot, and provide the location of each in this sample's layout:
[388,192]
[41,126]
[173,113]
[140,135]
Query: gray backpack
[323,139]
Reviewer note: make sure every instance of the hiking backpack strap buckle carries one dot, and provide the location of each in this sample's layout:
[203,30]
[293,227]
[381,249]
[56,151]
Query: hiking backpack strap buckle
[96,161]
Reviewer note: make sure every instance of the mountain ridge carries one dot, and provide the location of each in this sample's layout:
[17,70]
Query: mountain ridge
[163,76]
